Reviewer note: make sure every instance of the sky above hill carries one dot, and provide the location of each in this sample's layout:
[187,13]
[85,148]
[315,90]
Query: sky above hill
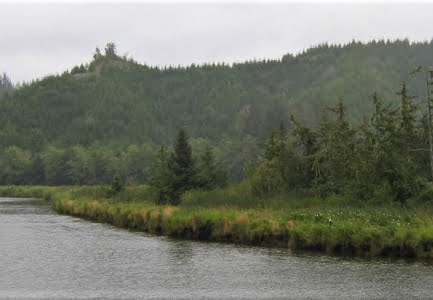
[37,39]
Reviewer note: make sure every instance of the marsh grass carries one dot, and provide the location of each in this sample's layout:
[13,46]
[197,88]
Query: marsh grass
[335,225]
[241,196]
[42,192]
[354,231]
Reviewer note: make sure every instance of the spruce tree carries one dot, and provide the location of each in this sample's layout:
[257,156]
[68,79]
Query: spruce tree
[408,119]
[333,161]
[161,180]
[110,50]
[210,174]
[305,145]
[182,168]
[403,179]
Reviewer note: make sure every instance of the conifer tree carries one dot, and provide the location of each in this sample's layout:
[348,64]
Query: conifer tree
[182,168]
[161,180]
[210,174]
[110,50]
[274,171]
[336,151]
[305,145]
[97,53]
[404,175]
[407,123]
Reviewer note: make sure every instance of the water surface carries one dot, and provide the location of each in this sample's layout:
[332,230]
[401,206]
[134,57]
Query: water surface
[47,256]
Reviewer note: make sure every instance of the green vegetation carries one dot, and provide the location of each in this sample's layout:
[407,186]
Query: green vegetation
[177,172]
[139,193]
[371,232]
[110,116]
[346,176]
[333,227]
[384,159]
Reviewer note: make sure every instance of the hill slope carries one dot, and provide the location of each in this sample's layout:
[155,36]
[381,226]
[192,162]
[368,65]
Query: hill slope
[114,102]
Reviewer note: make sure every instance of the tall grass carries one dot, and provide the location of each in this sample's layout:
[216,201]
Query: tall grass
[45,192]
[241,196]
[140,193]
[355,231]
[334,225]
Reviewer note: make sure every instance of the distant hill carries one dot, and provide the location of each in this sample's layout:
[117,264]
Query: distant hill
[113,101]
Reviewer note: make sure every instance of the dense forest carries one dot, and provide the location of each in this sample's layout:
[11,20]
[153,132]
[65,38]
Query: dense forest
[110,116]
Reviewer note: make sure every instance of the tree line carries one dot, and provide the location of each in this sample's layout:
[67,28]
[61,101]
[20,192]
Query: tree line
[115,100]
[385,158]
[114,111]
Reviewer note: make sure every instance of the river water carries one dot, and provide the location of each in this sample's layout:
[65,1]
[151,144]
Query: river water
[47,256]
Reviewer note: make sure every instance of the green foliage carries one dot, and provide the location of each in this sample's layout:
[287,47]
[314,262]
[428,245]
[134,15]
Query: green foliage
[234,195]
[181,167]
[162,177]
[226,215]
[15,165]
[112,103]
[378,161]
[266,178]
[175,172]
[370,232]
[117,186]
[136,163]
[210,173]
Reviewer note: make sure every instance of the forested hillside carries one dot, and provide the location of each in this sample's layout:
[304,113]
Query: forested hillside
[110,115]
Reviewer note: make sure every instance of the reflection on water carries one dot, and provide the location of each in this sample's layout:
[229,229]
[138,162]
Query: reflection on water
[44,255]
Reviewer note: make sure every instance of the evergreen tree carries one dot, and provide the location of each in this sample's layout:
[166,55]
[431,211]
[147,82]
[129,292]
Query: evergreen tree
[161,180]
[110,50]
[182,168]
[97,54]
[305,145]
[274,171]
[336,142]
[210,174]
[404,178]
[5,83]
[374,156]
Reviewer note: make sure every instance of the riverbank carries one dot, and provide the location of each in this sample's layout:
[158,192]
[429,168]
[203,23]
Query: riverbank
[48,256]
[392,232]
[344,231]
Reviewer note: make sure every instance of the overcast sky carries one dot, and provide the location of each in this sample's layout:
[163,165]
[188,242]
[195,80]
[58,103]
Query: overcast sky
[41,39]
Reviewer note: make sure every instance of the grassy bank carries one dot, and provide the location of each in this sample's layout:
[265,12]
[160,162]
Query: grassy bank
[45,192]
[364,231]
[345,231]
[135,193]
